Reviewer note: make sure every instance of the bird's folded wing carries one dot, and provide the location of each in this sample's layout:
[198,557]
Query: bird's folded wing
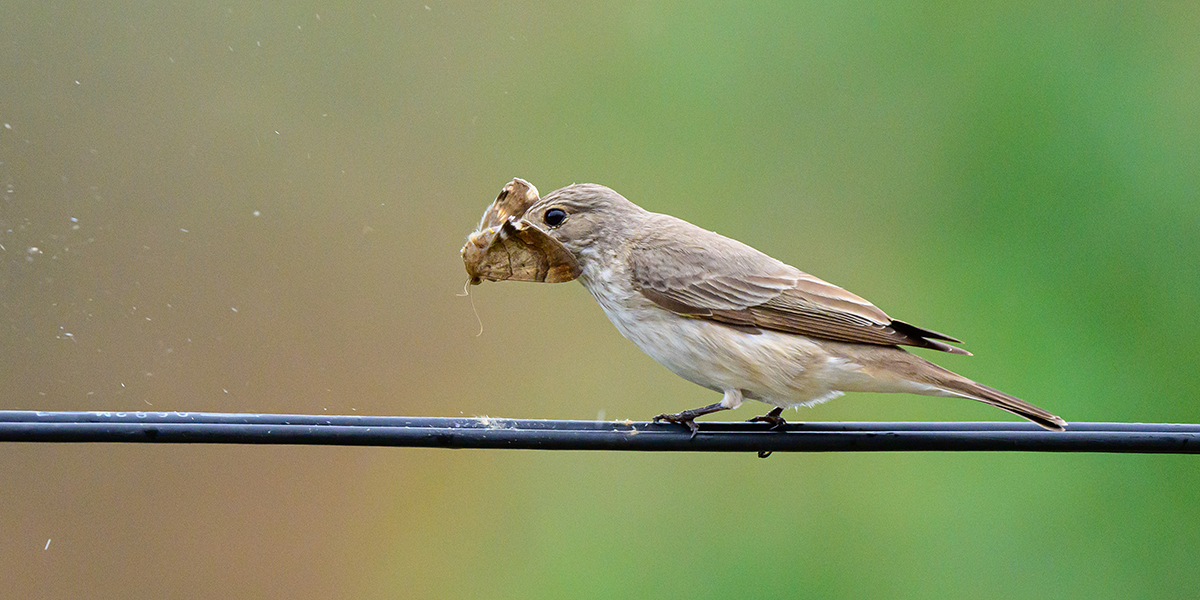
[719,279]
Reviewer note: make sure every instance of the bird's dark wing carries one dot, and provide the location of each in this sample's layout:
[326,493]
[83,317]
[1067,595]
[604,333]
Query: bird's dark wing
[712,277]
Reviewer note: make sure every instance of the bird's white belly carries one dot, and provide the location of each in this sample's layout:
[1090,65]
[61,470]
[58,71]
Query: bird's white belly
[779,369]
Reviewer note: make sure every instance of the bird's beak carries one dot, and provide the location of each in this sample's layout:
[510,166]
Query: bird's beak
[507,247]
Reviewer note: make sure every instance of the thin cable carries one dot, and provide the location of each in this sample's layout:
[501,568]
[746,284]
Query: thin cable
[486,432]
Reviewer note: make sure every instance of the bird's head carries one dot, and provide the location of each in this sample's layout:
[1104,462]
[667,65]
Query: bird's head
[588,219]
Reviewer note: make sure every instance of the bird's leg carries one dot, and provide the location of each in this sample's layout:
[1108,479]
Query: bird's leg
[772,417]
[732,399]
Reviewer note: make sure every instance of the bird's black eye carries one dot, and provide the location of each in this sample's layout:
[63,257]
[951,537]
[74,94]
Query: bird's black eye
[554,217]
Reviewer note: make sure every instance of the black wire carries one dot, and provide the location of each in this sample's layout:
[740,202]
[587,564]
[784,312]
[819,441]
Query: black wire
[484,432]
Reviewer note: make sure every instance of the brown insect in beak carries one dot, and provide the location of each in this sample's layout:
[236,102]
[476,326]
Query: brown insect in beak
[507,247]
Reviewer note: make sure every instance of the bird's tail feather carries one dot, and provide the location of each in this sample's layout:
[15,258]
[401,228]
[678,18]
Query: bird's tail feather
[892,369]
[977,391]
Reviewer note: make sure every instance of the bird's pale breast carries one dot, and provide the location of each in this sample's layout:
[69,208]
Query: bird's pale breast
[779,369]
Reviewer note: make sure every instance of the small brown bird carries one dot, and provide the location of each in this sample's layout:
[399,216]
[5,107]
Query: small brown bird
[725,316]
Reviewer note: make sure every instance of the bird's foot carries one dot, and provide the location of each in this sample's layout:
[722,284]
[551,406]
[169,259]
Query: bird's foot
[686,418]
[772,417]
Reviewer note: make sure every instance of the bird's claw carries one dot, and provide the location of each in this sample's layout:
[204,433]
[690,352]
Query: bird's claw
[776,422]
[772,417]
[681,418]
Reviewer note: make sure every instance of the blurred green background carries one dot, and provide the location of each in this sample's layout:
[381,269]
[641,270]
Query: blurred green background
[256,206]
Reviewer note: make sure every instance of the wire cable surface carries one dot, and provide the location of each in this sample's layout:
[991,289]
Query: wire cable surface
[487,432]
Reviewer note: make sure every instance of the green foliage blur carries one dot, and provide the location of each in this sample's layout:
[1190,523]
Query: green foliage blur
[251,206]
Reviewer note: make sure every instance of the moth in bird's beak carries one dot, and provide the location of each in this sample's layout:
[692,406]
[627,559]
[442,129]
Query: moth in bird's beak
[507,247]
